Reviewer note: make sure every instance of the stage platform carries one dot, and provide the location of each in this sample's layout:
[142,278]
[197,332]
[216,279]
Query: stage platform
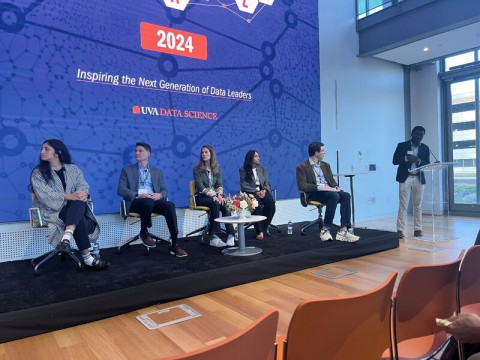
[62,296]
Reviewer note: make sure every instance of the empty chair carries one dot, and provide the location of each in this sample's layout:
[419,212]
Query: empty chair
[255,342]
[424,293]
[351,327]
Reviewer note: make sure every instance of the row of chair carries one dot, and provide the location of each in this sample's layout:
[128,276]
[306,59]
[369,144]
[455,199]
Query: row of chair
[377,324]
[192,205]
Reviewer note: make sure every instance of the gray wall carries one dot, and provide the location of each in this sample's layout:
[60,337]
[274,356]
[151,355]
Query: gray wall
[366,120]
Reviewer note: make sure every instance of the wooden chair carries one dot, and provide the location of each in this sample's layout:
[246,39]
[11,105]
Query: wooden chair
[36,221]
[305,202]
[256,342]
[192,205]
[343,328]
[424,293]
[126,244]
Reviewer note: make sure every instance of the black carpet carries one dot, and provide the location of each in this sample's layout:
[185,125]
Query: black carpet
[63,297]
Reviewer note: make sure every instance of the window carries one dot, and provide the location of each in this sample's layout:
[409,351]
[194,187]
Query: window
[461,59]
[462,89]
[369,7]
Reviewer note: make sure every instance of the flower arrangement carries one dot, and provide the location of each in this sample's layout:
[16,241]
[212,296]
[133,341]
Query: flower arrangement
[241,203]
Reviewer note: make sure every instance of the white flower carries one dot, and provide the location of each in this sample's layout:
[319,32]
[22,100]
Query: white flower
[243,204]
[254,203]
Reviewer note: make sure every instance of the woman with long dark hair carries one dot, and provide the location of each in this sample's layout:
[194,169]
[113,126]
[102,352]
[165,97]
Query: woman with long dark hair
[254,180]
[61,194]
[209,185]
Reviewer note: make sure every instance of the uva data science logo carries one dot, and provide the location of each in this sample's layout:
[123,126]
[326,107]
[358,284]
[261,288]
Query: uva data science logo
[145,110]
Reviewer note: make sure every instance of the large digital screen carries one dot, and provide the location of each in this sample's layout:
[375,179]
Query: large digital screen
[178,74]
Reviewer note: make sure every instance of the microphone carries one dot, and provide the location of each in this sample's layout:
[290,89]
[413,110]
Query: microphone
[436,160]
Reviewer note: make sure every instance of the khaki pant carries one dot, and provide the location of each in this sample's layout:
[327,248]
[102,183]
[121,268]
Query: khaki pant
[411,186]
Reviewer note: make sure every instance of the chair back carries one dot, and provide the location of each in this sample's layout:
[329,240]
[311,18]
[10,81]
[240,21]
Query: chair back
[424,293]
[477,240]
[469,278]
[351,327]
[255,342]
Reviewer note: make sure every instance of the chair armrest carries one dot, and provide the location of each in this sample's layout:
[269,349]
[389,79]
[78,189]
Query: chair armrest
[90,205]
[123,210]
[36,219]
[303,198]
[191,201]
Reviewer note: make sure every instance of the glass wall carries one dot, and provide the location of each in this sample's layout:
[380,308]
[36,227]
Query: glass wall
[461,84]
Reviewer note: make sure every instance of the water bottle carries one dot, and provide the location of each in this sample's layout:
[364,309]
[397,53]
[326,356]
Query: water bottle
[96,250]
[290,228]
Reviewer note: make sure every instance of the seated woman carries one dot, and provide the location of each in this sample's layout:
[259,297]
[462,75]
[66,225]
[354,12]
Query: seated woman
[61,194]
[254,180]
[208,182]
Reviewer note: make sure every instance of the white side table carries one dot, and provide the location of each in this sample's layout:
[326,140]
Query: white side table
[241,250]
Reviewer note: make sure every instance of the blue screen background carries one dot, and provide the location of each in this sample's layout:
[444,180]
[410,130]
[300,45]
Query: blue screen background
[43,44]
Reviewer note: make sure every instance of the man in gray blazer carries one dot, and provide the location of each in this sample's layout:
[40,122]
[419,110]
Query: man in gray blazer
[143,188]
[315,178]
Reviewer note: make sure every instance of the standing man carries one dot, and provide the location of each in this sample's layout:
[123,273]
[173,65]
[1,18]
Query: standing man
[143,188]
[408,156]
[315,178]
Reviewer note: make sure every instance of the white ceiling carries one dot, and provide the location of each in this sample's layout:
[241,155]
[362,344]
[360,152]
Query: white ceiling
[450,42]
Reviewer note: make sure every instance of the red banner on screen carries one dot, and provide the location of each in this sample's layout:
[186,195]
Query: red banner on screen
[172,41]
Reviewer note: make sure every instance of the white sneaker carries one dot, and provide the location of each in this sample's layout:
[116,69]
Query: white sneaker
[346,236]
[230,240]
[325,235]
[217,242]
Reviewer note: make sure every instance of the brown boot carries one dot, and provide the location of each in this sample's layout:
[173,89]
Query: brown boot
[147,240]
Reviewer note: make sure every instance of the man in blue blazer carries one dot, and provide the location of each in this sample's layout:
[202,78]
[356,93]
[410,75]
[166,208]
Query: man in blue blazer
[410,155]
[143,188]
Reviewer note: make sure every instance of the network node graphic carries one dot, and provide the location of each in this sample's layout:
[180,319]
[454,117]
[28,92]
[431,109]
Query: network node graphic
[258,89]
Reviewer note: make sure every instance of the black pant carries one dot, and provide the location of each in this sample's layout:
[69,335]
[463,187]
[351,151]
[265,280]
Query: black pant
[145,207]
[266,207]
[330,199]
[215,209]
[75,213]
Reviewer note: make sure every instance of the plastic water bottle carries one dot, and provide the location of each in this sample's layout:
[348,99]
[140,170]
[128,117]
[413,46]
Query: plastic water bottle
[290,228]
[96,250]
